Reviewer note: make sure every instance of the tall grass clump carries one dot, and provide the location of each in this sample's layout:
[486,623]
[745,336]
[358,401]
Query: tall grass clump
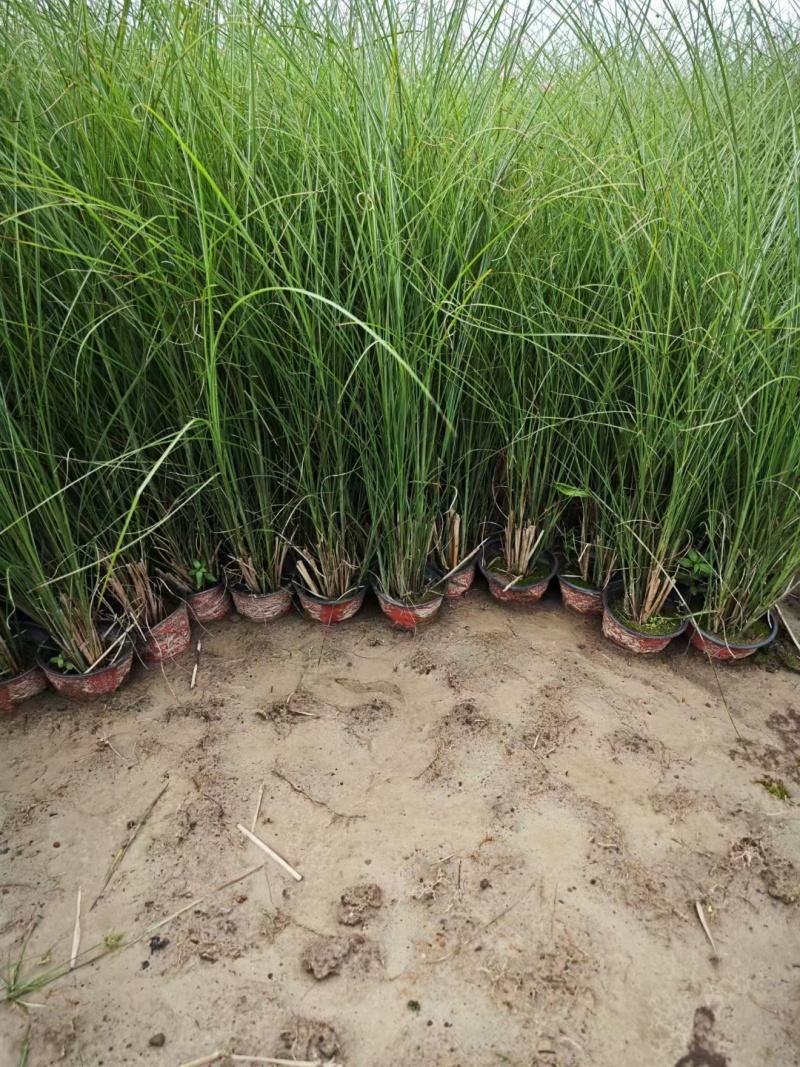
[324,290]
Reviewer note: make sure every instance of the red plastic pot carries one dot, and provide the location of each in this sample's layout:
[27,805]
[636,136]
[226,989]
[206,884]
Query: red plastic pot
[518,593]
[717,648]
[579,598]
[633,640]
[168,638]
[403,613]
[22,687]
[460,581]
[208,605]
[329,611]
[262,607]
[93,684]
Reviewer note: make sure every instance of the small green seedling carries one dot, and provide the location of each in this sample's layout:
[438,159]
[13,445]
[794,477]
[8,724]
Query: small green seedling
[113,940]
[415,1006]
[201,574]
[774,786]
[697,569]
[62,663]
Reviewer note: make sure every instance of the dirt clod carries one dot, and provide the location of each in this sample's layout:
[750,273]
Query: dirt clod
[356,901]
[308,1039]
[326,955]
[157,1040]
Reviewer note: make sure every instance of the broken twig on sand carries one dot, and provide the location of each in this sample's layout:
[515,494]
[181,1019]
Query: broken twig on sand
[196,665]
[120,856]
[701,916]
[199,900]
[272,854]
[258,808]
[237,1058]
[76,936]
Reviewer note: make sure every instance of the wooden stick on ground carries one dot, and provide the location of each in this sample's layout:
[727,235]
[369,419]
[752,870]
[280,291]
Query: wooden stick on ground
[196,664]
[701,916]
[272,855]
[281,1063]
[76,937]
[204,1060]
[258,809]
[120,856]
[194,903]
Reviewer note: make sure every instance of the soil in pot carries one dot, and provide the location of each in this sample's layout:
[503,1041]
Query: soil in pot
[168,638]
[329,611]
[93,684]
[210,604]
[648,638]
[736,646]
[262,607]
[525,589]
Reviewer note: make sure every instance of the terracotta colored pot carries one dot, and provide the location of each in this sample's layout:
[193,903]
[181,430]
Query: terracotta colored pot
[94,684]
[579,598]
[404,614]
[329,611]
[460,582]
[23,686]
[208,605]
[633,640]
[717,648]
[528,593]
[262,607]
[168,638]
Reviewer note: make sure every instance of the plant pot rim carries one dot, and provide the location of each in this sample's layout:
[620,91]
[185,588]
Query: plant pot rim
[544,554]
[175,607]
[242,590]
[351,594]
[22,674]
[206,588]
[741,646]
[126,650]
[590,590]
[470,561]
[613,587]
[437,576]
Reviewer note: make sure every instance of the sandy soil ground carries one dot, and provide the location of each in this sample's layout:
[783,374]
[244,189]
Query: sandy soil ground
[541,813]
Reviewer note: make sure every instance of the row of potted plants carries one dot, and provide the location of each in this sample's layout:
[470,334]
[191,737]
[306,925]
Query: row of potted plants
[150,618]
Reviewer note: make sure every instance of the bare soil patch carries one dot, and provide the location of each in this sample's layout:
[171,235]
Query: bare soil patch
[504,826]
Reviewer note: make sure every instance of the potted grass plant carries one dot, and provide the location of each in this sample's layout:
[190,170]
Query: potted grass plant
[589,559]
[158,621]
[747,558]
[328,581]
[732,592]
[454,557]
[187,558]
[667,451]
[457,535]
[21,677]
[529,411]
[51,574]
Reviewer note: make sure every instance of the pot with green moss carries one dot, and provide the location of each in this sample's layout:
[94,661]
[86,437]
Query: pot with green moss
[642,638]
[736,646]
[516,588]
